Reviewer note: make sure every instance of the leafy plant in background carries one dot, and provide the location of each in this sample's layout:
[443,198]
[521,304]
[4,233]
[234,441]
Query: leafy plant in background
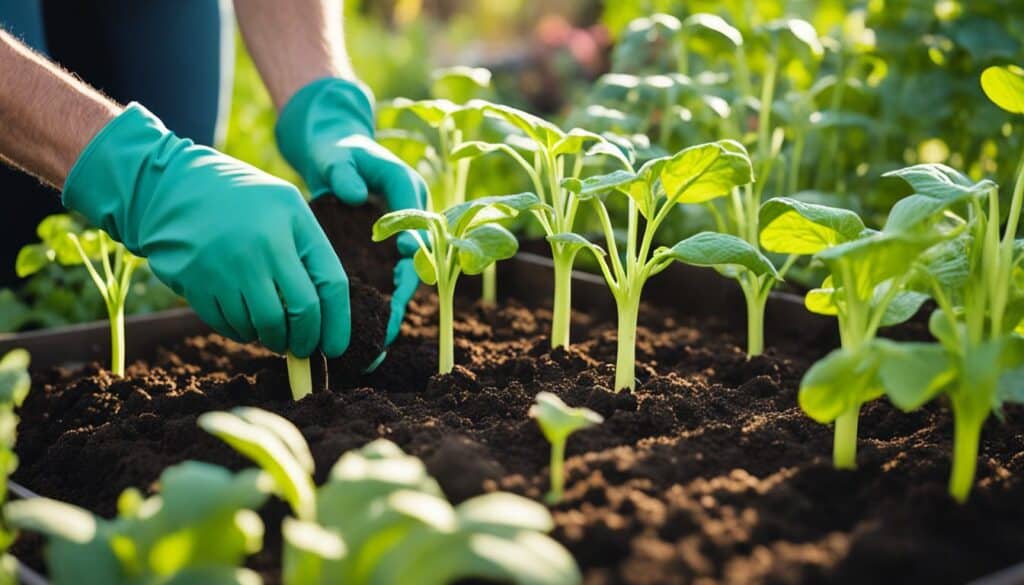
[556,155]
[380,518]
[557,421]
[466,239]
[14,387]
[976,281]
[693,175]
[867,287]
[198,530]
[63,240]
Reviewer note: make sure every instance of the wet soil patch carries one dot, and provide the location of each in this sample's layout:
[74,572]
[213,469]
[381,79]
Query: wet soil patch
[709,473]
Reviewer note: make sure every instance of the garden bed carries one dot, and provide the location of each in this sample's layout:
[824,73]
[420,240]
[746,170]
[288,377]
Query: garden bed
[708,473]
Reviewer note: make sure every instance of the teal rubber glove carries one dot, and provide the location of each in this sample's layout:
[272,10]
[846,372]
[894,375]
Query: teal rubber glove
[240,245]
[326,132]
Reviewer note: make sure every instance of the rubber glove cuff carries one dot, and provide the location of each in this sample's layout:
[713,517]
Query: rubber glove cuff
[103,181]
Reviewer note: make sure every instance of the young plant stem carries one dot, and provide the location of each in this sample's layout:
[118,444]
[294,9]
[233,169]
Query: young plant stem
[844,445]
[445,334]
[562,309]
[115,313]
[557,472]
[300,378]
[966,436]
[625,360]
[489,285]
[755,292]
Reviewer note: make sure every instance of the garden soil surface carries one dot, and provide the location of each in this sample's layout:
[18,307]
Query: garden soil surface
[708,473]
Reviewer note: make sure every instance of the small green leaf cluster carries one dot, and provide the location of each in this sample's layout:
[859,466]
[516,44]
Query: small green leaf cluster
[199,529]
[557,421]
[14,386]
[693,175]
[464,239]
[63,240]
[381,518]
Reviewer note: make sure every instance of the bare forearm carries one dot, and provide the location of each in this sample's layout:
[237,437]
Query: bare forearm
[47,116]
[294,42]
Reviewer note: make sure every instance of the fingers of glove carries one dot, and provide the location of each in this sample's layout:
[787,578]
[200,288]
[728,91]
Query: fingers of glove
[233,306]
[328,276]
[384,173]
[209,311]
[347,184]
[406,283]
[302,306]
[267,314]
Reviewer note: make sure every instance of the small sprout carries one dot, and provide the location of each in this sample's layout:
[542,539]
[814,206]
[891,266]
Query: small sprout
[557,421]
[300,378]
[64,241]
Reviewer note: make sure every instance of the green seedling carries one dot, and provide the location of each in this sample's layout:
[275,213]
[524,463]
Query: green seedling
[14,387]
[198,530]
[466,239]
[867,287]
[548,155]
[976,281]
[557,421]
[64,241]
[380,518]
[693,175]
[300,376]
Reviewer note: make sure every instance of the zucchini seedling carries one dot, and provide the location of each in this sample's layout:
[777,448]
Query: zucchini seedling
[557,421]
[556,155]
[867,288]
[691,176]
[199,529]
[380,518]
[466,239]
[65,241]
[977,281]
[14,387]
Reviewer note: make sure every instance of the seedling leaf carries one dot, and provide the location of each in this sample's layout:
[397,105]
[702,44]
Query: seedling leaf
[717,249]
[789,226]
[1005,87]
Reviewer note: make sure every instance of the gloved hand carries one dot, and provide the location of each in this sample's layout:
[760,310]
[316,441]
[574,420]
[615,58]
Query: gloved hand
[240,245]
[326,131]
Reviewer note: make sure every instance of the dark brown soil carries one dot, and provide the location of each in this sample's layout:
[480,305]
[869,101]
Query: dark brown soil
[348,229]
[708,473]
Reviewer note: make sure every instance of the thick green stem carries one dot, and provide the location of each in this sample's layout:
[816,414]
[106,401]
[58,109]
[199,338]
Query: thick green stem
[756,300]
[625,361]
[557,472]
[966,435]
[445,332]
[489,285]
[117,346]
[562,309]
[844,443]
[300,379]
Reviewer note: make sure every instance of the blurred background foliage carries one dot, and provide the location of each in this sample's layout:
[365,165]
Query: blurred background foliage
[896,84]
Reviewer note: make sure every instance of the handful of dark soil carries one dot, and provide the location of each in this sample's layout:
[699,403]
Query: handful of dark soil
[369,266]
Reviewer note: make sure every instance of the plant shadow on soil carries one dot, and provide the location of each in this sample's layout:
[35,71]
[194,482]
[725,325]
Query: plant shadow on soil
[708,473]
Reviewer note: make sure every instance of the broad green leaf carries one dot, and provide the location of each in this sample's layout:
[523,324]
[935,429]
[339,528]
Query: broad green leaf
[283,429]
[710,33]
[424,267]
[947,263]
[874,259]
[789,226]
[948,331]
[557,420]
[54,227]
[53,518]
[484,245]
[838,382]
[1005,87]
[402,220]
[622,151]
[913,373]
[194,492]
[500,511]
[473,149]
[717,249]
[265,448]
[596,185]
[940,181]
[32,258]
[541,131]
[460,84]
[792,38]
[573,243]
[706,171]
[822,300]
[433,112]
[918,213]
[902,307]
[575,141]
[14,377]
[460,217]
